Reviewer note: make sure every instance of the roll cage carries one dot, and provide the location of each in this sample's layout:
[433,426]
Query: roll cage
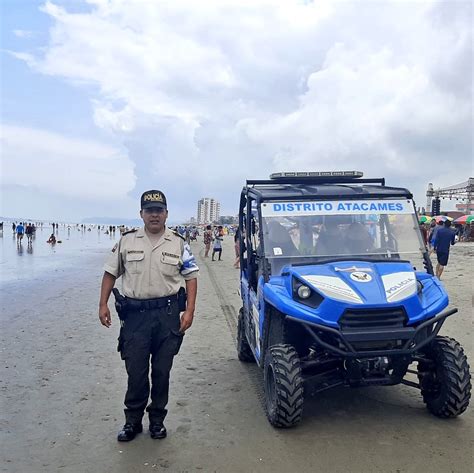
[256,192]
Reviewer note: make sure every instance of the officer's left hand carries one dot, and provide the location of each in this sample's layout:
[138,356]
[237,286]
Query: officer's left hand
[186,320]
[104,316]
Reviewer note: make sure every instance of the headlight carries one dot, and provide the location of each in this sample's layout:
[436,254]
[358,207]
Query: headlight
[305,295]
[304,292]
[419,287]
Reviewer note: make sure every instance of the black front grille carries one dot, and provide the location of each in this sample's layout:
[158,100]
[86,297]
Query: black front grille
[370,319]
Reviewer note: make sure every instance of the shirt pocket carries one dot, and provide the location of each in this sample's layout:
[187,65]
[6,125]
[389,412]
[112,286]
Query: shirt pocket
[135,262]
[170,265]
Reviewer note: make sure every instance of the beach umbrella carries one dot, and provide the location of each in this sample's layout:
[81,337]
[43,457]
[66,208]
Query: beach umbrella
[442,218]
[465,219]
[424,219]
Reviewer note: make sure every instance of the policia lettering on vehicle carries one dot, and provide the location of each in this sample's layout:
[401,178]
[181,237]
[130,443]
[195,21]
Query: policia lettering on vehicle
[154,263]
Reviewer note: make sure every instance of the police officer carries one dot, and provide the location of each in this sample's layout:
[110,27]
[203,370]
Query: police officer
[154,263]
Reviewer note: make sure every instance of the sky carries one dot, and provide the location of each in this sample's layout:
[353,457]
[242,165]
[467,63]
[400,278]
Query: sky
[104,99]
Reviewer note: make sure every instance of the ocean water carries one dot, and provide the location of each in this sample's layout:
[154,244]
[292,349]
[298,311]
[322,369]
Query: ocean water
[40,259]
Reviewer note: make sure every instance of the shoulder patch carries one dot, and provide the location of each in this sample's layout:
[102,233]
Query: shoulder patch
[133,230]
[178,234]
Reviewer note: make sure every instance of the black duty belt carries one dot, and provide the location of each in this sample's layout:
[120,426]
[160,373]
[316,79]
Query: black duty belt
[150,304]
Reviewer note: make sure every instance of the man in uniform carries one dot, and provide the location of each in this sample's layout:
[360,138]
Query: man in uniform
[154,263]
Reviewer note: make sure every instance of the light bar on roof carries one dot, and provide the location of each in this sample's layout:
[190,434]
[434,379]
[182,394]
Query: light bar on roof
[312,174]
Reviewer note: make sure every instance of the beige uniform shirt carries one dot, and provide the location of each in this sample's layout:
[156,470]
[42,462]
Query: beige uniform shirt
[149,271]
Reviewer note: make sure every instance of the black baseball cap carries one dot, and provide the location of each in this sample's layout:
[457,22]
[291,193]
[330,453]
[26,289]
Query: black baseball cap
[153,198]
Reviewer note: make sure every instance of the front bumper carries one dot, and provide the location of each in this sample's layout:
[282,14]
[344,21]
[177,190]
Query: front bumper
[343,343]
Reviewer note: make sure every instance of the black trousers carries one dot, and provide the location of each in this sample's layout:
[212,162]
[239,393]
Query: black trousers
[149,336]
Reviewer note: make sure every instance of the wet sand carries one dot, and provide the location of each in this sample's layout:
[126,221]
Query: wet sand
[26,262]
[62,385]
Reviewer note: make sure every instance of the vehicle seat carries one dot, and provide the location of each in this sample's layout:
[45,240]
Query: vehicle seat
[278,237]
[358,239]
[331,242]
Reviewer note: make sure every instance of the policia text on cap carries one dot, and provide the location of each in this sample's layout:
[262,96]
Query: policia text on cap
[154,264]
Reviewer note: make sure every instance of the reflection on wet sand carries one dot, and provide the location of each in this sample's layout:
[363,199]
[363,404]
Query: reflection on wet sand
[38,257]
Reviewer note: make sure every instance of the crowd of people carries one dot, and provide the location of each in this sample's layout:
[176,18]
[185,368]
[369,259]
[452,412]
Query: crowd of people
[461,232]
[215,236]
[465,232]
[188,232]
[28,230]
[22,229]
[440,236]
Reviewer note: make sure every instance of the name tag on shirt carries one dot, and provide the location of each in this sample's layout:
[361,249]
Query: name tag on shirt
[171,255]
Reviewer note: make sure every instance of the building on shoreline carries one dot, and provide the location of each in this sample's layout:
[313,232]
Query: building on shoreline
[208,210]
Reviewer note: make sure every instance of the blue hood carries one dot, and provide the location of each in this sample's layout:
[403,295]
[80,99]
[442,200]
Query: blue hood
[360,282]
[358,285]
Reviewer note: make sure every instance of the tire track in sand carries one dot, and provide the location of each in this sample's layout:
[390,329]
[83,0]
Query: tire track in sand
[229,311]
[231,316]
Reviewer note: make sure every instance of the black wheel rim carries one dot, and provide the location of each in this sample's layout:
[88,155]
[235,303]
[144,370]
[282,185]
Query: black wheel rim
[432,382]
[436,382]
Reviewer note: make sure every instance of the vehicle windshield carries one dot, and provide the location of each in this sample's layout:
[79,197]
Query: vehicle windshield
[323,230]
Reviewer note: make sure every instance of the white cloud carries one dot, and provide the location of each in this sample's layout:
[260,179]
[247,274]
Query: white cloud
[66,167]
[23,33]
[205,94]
[364,109]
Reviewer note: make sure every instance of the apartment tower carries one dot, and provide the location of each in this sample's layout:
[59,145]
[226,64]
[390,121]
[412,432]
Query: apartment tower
[208,210]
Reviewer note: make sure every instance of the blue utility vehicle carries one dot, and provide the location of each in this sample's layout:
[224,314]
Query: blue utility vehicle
[338,290]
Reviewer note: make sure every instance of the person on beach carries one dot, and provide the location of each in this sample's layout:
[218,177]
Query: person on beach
[154,263]
[424,233]
[433,232]
[218,238]
[237,249]
[14,227]
[20,230]
[444,238]
[52,239]
[466,235]
[207,240]
[29,233]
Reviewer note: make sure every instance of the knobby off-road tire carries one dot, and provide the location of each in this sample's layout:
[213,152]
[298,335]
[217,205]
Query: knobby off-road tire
[446,382]
[243,348]
[283,386]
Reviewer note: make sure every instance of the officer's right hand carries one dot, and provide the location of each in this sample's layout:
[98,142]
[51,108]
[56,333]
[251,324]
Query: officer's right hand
[104,316]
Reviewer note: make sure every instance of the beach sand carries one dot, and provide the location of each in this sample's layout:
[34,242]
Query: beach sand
[62,385]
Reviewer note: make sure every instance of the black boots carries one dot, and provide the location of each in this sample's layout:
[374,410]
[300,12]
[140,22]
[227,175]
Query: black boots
[129,431]
[157,431]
